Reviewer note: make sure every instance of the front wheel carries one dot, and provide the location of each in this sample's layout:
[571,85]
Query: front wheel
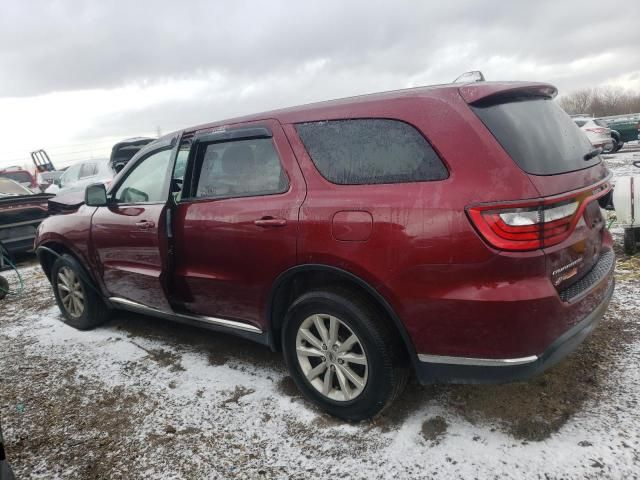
[80,305]
[342,354]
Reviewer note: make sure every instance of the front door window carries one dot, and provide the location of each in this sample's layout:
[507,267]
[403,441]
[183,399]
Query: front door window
[146,182]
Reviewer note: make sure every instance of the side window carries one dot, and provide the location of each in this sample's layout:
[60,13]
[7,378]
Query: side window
[239,169]
[368,151]
[146,182]
[88,170]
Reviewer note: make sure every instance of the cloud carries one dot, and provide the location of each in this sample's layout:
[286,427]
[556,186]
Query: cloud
[119,68]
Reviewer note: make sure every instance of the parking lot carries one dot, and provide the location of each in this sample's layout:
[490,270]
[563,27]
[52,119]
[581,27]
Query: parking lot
[143,398]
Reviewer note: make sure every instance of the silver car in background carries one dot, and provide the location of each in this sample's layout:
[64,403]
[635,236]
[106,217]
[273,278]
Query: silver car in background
[78,176]
[597,131]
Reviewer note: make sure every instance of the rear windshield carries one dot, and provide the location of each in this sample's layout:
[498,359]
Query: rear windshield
[7,187]
[22,177]
[538,135]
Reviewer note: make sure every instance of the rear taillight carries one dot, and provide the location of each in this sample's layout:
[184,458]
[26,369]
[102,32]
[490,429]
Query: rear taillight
[599,131]
[530,225]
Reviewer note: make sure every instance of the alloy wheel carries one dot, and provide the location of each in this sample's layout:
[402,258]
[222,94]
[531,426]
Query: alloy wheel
[331,357]
[70,291]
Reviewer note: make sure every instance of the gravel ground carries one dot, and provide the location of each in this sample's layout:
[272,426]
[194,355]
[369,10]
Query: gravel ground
[143,398]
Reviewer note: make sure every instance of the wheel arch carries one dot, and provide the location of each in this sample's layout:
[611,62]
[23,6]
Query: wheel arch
[293,282]
[48,252]
[616,135]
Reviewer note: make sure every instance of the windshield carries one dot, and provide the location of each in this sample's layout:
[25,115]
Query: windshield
[9,187]
[538,135]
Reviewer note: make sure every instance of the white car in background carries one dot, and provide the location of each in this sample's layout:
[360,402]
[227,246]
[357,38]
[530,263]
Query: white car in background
[597,132]
[78,176]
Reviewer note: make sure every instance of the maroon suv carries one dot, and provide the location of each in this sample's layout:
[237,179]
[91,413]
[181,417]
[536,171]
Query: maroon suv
[453,229]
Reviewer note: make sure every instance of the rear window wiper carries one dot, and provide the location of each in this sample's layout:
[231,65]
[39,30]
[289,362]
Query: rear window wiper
[593,153]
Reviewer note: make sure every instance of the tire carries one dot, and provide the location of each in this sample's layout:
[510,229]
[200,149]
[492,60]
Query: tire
[618,147]
[383,375]
[629,242]
[4,287]
[79,303]
[615,145]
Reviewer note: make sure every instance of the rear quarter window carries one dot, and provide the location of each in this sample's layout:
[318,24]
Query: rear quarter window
[370,151]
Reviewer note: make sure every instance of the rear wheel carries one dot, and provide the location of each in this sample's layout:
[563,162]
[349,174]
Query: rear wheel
[342,354]
[81,306]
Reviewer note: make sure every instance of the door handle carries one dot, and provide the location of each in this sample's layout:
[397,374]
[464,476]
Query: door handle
[145,224]
[271,222]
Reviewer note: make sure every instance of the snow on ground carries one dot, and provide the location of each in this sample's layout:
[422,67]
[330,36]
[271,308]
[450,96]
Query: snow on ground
[143,398]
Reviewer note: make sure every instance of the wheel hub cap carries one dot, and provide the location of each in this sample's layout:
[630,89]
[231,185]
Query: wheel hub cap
[331,357]
[70,291]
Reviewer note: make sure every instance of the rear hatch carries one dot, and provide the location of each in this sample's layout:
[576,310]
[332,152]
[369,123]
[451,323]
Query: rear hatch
[566,221]
[124,151]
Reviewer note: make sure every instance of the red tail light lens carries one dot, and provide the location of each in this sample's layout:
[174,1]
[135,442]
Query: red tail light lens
[524,228]
[534,224]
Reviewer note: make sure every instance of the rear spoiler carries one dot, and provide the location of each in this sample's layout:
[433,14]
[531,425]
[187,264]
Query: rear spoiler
[498,92]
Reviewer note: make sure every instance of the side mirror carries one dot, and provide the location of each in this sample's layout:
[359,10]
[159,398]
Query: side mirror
[95,195]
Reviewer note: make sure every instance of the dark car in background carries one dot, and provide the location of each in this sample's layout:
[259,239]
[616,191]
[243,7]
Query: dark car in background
[454,230]
[21,211]
[625,128]
[124,151]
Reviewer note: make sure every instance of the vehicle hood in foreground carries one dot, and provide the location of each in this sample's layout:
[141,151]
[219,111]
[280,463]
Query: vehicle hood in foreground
[66,202]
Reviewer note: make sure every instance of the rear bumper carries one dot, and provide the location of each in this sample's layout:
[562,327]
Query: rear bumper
[443,369]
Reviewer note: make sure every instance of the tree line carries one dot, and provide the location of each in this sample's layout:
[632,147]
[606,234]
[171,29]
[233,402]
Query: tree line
[601,101]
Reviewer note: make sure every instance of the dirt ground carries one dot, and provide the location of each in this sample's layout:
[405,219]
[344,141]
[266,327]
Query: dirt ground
[144,398]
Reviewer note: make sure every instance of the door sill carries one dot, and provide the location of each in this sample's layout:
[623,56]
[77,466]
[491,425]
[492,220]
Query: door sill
[219,322]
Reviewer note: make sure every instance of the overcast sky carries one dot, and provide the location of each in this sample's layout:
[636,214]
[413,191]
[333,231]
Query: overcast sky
[75,76]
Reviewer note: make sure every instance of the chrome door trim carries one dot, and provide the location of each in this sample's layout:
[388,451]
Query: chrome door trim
[479,362]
